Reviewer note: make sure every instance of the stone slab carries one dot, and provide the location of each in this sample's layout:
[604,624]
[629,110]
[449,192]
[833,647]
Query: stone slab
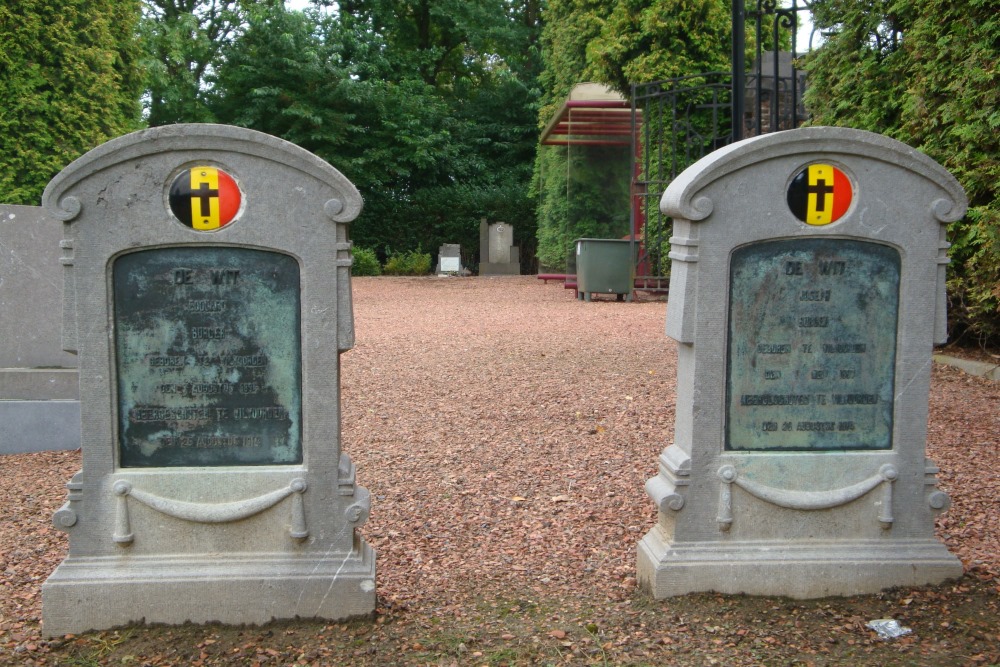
[978,368]
[38,426]
[31,290]
[39,384]
[38,379]
[501,238]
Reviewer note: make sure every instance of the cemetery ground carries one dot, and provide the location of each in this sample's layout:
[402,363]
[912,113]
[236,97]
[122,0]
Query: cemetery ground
[505,431]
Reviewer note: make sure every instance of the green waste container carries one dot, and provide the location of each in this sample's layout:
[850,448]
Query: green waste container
[605,266]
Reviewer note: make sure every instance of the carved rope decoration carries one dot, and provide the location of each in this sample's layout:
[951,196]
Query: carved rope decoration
[209,512]
[805,500]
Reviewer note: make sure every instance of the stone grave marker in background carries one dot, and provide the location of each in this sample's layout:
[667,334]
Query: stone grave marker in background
[806,294]
[498,256]
[207,291]
[38,381]
[449,259]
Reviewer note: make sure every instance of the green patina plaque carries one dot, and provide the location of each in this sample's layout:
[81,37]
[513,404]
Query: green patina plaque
[208,357]
[812,345]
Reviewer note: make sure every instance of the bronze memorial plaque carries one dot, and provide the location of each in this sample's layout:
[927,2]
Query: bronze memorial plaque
[208,357]
[812,345]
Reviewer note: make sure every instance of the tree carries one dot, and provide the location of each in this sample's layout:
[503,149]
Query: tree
[283,76]
[427,106]
[652,40]
[69,81]
[442,42]
[444,94]
[926,75]
[184,42]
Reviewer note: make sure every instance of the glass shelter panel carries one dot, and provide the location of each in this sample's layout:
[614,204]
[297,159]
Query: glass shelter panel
[597,190]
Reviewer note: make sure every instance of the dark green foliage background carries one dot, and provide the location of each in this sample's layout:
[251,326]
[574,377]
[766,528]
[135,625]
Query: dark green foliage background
[428,107]
[69,81]
[926,74]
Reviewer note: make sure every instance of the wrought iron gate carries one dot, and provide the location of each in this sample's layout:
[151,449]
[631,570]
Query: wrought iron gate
[678,121]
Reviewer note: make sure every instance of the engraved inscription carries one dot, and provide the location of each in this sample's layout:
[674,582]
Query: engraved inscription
[208,355]
[813,321]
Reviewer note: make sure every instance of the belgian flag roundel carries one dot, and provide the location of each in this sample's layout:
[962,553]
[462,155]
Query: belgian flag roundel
[819,194]
[205,198]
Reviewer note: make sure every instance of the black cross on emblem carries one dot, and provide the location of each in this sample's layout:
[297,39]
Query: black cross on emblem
[205,193]
[821,190]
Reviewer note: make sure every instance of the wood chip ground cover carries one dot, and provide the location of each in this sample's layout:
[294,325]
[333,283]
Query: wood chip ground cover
[505,431]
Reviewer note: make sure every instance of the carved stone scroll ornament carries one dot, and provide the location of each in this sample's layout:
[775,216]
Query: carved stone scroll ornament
[208,512]
[805,500]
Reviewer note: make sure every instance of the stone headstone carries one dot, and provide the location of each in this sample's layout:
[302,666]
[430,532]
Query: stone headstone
[501,239]
[806,294]
[498,256]
[449,258]
[208,294]
[38,380]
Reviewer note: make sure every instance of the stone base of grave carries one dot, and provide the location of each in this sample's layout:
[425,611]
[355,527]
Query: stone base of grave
[39,410]
[39,426]
[100,593]
[497,269]
[797,570]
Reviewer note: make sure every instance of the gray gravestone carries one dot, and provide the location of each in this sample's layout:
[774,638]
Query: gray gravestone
[38,380]
[498,256]
[806,294]
[207,274]
[449,258]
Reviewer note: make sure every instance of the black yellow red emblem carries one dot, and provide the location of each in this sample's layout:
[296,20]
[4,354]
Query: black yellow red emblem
[205,198]
[819,194]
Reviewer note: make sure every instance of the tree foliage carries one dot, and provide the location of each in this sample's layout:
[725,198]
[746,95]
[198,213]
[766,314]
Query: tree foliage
[449,97]
[69,80]
[651,40]
[184,41]
[568,27]
[283,76]
[428,107]
[926,75]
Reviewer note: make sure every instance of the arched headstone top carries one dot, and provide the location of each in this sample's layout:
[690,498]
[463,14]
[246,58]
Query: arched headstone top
[685,197]
[200,140]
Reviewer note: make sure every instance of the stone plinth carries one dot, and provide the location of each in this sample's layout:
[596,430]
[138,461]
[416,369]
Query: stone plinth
[38,380]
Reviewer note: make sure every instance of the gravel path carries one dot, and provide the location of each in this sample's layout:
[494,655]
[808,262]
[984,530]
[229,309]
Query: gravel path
[519,426]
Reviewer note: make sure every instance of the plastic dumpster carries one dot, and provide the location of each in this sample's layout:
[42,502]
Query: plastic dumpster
[605,266]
